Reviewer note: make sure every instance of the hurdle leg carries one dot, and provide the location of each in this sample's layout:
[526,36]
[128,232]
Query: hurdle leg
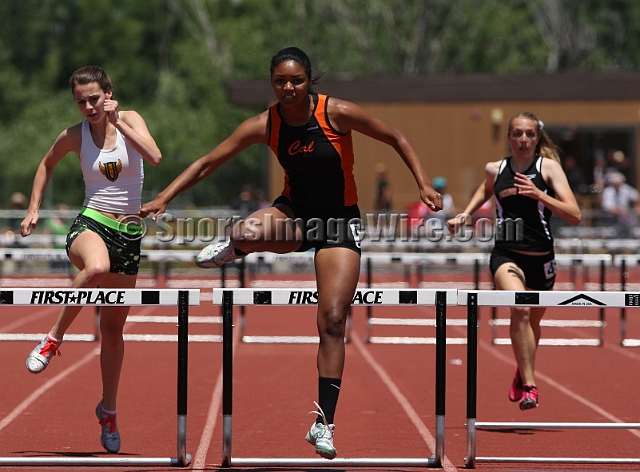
[369,307]
[623,314]
[96,324]
[227,375]
[476,274]
[441,374]
[472,377]
[494,317]
[183,363]
[602,289]
[241,278]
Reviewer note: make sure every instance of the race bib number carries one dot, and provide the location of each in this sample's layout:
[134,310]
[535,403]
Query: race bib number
[550,269]
[357,233]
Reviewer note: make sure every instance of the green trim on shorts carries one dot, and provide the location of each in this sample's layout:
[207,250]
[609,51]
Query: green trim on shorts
[112,224]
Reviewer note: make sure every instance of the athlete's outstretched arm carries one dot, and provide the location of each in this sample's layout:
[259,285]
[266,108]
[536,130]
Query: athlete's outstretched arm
[68,141]
[251,131]
[346,116]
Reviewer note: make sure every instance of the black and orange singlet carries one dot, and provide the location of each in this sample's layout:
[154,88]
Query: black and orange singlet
[317,160]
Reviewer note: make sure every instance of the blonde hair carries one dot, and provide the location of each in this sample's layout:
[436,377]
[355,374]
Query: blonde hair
[545,146]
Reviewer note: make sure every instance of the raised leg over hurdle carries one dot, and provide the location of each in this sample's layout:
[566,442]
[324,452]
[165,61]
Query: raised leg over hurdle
[408,298]
[474,299]
[126,297]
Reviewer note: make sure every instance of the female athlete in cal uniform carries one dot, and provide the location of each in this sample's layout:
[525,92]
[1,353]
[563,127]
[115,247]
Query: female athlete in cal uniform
[311,135]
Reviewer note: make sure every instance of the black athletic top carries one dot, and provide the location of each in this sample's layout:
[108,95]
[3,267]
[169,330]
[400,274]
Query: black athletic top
[317,160]
[522,223]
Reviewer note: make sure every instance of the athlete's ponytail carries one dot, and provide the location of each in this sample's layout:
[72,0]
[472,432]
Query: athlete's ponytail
[545,147]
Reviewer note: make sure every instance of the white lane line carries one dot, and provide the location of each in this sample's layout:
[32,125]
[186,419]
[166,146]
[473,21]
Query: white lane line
[27,402]
[557,385]
[41,313]
[212,416]
[428,438]
[33,397]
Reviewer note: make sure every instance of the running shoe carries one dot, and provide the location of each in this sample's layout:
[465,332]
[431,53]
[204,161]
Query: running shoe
[39,357]
[216,254]
[321,436]
[110,437]
[529,397]
[517,389]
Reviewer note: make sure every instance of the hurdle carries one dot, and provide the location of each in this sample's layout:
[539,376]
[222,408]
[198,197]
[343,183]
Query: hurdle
[408,298]
[624,261]
[419,260]
[124,297]
[531,299]
[571,261]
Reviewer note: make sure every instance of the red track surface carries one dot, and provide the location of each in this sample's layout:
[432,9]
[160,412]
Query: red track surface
[51,414]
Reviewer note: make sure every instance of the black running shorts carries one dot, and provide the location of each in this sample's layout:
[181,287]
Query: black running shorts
[539,271]
[122,240]
[327,227]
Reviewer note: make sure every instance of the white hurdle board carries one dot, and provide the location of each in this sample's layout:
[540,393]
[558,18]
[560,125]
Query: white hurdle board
[95,296]
[554,298]
[309,297]
[584,299]
[362,296]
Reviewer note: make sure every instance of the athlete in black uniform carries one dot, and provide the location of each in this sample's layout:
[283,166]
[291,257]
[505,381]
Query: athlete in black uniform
[528,187]
[311,136]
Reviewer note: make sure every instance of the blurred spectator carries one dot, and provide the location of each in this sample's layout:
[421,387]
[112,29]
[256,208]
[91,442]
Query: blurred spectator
[260,199]
[448,208]
[419,213]
[621,202]
[245,204]
[599,170]
[17,202]
[617,161]
[383,189]
[575,175]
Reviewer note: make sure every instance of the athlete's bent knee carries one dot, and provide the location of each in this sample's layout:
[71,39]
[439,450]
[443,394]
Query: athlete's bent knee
[96,274]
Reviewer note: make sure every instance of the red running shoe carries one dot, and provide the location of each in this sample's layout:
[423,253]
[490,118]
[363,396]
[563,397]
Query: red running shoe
[529,398]
[517,389]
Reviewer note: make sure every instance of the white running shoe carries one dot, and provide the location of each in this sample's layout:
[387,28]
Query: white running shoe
[38,359]
[110,437]
[321,436]
[216,254]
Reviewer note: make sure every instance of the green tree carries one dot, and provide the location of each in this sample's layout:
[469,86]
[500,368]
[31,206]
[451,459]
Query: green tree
[170,60]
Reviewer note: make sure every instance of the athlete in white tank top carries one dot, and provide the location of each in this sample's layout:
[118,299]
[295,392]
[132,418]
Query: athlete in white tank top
[113,177]
[111,146]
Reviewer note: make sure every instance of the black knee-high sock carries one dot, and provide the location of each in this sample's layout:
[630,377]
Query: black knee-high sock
[328,391]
